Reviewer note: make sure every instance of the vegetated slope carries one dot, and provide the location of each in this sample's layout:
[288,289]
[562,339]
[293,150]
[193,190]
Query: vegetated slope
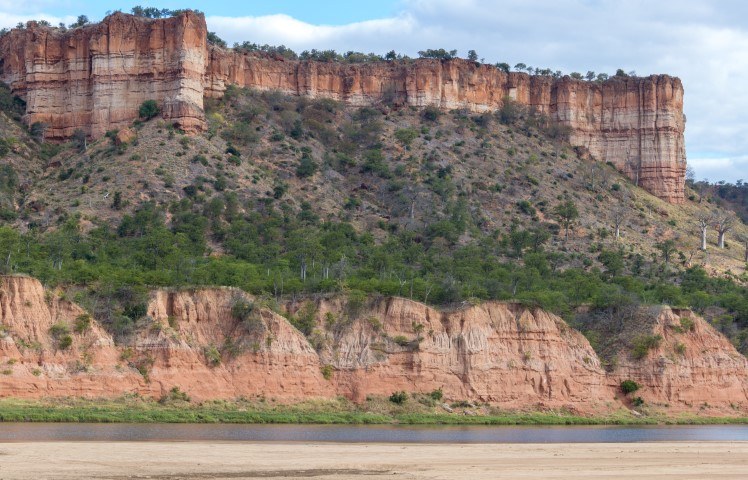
[287,195]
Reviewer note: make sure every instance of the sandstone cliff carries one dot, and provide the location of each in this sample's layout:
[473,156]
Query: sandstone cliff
[96,77]
[500,353]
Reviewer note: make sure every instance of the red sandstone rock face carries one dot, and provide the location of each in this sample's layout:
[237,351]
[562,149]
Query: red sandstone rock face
[691,368]
[500,353]
[96,77]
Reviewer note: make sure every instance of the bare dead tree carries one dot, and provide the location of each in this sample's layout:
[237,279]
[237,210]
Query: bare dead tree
[743,238]
[619,216]
[723,223]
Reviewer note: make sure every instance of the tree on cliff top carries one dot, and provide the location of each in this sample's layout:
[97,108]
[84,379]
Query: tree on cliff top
[214,39]
[150,12]
[82,20]
[439,54]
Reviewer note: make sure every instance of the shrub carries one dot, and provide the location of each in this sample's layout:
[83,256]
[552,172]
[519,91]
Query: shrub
[431,113]
[686,324]
[212,355]
[406,135]
[306,168]
[148,109]
[437,394]
[401,340]
[326,371]
[629,386]
[58,330]
[643,344]
[242,309]
[65,342]
[82,323]
[174,395]
[638,402]
[399,397]
[526,207]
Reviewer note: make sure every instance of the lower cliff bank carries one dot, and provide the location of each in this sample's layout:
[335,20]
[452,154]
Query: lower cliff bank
[220,344]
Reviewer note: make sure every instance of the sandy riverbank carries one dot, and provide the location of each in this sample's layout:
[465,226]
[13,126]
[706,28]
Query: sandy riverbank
[198,460]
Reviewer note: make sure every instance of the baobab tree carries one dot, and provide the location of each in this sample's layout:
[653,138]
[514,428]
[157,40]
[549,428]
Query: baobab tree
[704,221]
[723,223]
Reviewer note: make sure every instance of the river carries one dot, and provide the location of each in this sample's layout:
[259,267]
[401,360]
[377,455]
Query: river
[39,432]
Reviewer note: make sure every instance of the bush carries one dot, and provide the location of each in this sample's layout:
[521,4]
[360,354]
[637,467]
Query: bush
[58,330]
[686,324]
[242,309]
[406,135]
[437,394]
[431,113]
[212,355]
[306,168]
[629,386]
[401,340]
[326,371]
[82,323]
[174,395]
[399,397]
[148,109]
[643,344]
[65,342]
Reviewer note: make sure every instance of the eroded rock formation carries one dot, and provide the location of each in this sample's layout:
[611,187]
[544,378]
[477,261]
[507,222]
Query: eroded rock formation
[500,353]
[96,77]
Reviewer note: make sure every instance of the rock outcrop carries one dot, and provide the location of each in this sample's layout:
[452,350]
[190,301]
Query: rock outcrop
[501,353]
[96,77]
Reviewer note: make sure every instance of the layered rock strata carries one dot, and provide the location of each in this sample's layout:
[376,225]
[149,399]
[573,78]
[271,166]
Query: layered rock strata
[95,78]
[501,353]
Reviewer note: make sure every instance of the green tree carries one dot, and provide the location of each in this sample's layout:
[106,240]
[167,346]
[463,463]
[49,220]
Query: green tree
[81,21]
[666,248]
[567,213]
[148,109]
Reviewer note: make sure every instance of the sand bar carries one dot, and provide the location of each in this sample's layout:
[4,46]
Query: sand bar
[200,460]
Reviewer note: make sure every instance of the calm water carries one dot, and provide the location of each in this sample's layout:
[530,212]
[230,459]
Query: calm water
[25,432]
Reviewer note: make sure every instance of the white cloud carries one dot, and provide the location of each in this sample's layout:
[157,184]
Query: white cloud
[286,30]
[10,20]
[729,169]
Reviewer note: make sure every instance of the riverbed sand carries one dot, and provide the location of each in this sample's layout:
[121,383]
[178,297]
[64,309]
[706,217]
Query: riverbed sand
[201,460]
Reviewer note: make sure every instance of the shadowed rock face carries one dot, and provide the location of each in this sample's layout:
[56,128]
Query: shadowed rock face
[500,353]
[96,77]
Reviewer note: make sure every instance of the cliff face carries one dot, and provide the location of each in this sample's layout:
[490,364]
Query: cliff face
[96,77]
[500,353]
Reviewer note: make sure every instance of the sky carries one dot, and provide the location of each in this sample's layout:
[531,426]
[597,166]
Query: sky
[704,42]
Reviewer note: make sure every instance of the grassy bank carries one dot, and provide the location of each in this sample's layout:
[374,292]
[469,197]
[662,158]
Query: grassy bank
[376,411]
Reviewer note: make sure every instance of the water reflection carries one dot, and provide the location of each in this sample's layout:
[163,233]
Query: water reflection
[24,432]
